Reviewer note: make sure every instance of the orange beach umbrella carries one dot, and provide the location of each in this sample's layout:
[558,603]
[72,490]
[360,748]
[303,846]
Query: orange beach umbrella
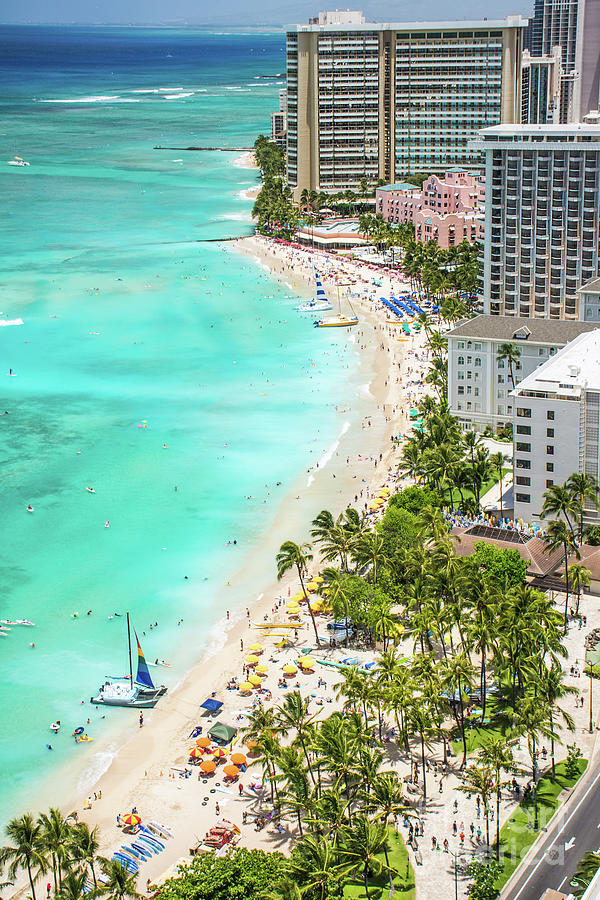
[208,765]
[203,742]
[238,759]
[231,770]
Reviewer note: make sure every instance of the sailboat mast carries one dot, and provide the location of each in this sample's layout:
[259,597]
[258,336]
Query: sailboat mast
[129,648]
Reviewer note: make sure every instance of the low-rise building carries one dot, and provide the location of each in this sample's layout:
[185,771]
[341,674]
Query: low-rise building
[557,425]
[480,384]
[332,234]
[448,209]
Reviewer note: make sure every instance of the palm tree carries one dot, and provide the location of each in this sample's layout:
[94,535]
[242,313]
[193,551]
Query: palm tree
[335,582]
[579,577]
[314,862]
[497,754]
[497,461]
[420,721]
[26,851]
[362,844]
[560,501]
[56,837]
[560,535]
[73,886]
[480,780]
[458,678]
[512,354]
[549,685]
[532,718]
[369,550]
[84,845]
[293,774]
[119,883]
[385,798]
[299,556]
[586,869]
[582,487]
[293,713]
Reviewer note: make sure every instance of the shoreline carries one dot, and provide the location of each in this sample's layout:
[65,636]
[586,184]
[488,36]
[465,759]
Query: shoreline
[138,772]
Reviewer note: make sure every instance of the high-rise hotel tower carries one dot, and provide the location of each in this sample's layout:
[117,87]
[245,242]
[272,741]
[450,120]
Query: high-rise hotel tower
[370,101]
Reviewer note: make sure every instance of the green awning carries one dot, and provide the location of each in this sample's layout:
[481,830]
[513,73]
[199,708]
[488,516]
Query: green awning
[222,732]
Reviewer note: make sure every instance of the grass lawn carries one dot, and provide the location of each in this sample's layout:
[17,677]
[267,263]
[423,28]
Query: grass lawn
[468,494]
[476,735]
[404,883]
[517,835]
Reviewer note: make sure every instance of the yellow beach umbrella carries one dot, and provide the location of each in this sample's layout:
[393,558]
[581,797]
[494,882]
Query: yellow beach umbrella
[319,579]
[245,686]
[254,680]
[312,586]
[256,648]
[290,669]
[252,659]
[297,597]
[293,611]
[261,669]
[306,662]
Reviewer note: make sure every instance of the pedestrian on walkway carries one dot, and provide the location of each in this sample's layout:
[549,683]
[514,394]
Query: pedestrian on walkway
[445,845]
[472,829]
[454,828]
[433,842]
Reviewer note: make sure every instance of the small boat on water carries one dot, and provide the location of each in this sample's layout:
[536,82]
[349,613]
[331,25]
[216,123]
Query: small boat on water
[90,490]
[138,693]
[319,303]
[338,321]
[17,161]
[17,622]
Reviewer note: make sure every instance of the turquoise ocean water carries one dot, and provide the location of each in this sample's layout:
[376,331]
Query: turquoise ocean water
[139,332]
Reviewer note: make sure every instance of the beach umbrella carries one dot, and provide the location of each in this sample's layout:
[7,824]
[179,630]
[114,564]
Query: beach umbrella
[131,819]
[251,745]
[306,662]
[231,770]
[312,586]
[196,752]
[238,759]
[254,680]
[251,659]
[203,742]
[319,579]
[245,686]
[256,648]
[208,765]
[219,753]
[290,669]
[262,669]
[293,601]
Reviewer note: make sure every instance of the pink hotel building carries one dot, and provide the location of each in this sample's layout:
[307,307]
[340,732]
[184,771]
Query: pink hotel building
[447,210]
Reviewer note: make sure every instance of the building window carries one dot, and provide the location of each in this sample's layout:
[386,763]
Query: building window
[461,376]
[550,432]
[461,360]
[541,352]
[523,463]
[461,345]
[549,415]
[477,360]
[549,482]
[500,379]
[522,498]
[476,392]
[524,412]
[469,374]
[461,389]
[500,363]
[523,479]
[477,346]
[523,429]
[550,449]
[549,467]
[523,448]
[500,410]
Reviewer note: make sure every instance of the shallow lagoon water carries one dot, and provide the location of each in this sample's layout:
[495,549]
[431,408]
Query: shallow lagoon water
[151,357]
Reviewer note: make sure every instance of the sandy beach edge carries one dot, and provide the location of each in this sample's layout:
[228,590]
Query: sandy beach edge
[140,771]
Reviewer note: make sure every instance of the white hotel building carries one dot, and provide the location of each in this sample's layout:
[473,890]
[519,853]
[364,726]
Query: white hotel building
[557,425]
[480,385]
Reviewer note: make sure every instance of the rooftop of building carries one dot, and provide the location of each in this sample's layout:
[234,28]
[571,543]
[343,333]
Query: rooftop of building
[592,287]
[538,132]
[513,328]
[572,369]
[469,25]
[400,186]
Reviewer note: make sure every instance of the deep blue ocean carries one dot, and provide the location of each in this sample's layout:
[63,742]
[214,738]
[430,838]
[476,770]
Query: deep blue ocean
[155,365]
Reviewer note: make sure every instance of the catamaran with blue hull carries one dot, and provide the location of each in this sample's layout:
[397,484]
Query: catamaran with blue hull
[320,301]
[139,694]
